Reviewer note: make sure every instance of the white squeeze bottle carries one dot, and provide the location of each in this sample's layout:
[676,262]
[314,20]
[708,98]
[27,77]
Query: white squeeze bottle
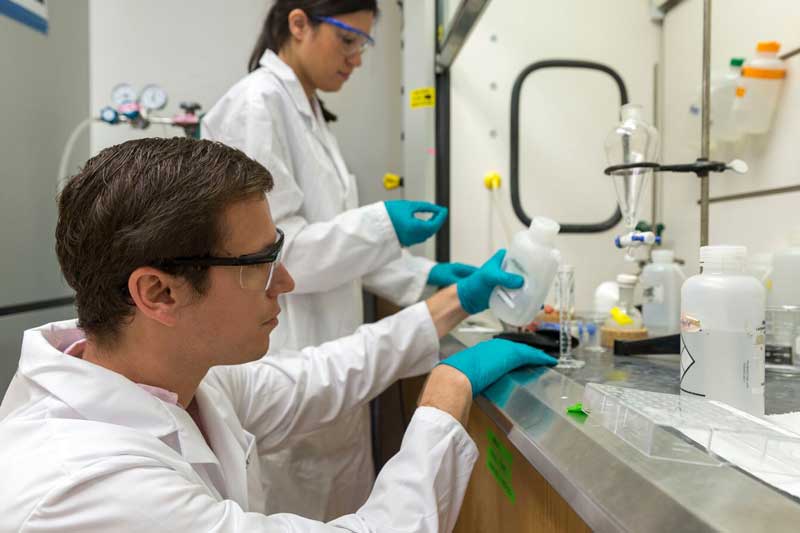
[723,332]
[723,97]
[661,283]
[532,256]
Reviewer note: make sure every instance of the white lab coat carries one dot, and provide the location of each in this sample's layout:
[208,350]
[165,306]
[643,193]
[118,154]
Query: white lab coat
[332,247]
[86,450]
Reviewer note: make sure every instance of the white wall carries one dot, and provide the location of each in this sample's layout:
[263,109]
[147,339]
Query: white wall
[43,88]
[197,49]
[762,223]
[565,117]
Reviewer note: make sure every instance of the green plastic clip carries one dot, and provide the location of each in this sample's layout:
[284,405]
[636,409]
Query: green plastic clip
[577,408]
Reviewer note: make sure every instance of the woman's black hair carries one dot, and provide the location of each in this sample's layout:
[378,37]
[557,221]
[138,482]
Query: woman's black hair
[275,31]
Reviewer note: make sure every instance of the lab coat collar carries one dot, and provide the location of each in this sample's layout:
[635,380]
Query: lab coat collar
[99,394]
[274,64]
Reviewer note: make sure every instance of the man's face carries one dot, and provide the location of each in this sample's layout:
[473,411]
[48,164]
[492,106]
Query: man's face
[229,323]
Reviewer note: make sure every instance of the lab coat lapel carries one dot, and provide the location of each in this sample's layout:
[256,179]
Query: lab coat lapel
[312,117]
[233,447]
[328,141]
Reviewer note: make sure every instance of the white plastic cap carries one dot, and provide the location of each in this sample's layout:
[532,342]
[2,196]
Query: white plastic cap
[724,256]
[627,280]
[566,268]
[544,230]
[663,256]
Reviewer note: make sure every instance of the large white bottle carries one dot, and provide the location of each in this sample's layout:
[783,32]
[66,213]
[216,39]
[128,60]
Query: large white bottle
[722,331]
[785,288]
[532,256]
[661,283]
[757,97]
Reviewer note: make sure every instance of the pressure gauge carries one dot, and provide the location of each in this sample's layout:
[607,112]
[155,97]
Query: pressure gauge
[123,93]
[109,115]
[153,97]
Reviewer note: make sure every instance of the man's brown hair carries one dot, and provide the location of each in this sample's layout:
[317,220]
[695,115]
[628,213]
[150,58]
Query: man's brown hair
[138,203]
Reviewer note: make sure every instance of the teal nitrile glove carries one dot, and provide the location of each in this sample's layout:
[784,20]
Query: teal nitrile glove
[488,361]
[445,274]
[474,291]
[410,229]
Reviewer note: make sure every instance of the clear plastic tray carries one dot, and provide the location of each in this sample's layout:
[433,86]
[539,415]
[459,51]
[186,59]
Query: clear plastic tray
[715,432]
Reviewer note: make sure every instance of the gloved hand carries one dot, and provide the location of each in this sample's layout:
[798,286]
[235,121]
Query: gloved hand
[474,291]
[445,274]
[410,229]
[488,361]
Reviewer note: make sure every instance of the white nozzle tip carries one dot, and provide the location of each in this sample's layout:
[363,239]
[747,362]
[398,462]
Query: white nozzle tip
[738,166]
[627,280]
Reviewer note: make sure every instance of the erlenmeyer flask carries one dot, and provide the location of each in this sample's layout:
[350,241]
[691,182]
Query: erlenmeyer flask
[632,141]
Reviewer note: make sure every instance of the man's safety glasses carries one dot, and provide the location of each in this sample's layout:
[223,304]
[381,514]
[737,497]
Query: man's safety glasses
[354,41]
[255,270]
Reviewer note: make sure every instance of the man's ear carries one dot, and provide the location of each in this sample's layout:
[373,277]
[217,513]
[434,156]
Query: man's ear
[156,294]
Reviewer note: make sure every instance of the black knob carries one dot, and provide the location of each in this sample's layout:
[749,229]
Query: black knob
[190,108]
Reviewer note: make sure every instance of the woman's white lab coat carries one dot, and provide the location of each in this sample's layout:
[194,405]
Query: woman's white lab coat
[332,248]
[86,450]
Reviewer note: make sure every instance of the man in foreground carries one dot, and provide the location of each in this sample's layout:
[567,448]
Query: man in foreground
[150,412]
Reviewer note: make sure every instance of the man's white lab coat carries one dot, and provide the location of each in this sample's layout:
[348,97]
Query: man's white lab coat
[84,449]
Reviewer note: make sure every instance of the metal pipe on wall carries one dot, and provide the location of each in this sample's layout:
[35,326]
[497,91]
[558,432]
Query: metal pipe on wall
[705,126]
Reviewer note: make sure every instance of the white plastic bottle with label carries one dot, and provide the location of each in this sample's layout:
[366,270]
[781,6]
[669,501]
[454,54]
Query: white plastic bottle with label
[757,97]
[722,331]
[532,256]
[785,289]
[661,283]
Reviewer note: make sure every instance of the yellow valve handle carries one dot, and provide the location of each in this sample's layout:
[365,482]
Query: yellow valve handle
[392,181]
[492,181]
[620,317]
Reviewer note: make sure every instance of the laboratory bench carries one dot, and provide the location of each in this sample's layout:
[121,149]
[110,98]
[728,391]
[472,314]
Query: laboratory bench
[542,468]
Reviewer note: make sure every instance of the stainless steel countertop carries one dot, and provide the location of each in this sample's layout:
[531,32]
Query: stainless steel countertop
[610,484]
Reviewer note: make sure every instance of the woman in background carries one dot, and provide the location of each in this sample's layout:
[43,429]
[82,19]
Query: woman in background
[333,247]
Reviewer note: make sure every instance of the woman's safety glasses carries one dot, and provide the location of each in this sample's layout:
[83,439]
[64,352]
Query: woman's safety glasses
[255,270]
[354,41]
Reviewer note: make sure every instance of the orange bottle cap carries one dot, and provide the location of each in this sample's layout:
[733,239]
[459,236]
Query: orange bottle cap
[768,46]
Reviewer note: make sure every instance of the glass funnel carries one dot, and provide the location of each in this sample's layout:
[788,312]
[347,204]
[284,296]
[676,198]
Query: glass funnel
[632,141]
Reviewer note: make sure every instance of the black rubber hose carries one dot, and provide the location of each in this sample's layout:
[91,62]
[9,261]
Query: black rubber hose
[614,219]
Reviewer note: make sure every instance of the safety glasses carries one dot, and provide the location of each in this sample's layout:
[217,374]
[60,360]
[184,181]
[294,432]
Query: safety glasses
[255,270]
[354,41]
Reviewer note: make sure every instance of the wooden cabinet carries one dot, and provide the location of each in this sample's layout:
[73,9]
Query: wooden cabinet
[488,507]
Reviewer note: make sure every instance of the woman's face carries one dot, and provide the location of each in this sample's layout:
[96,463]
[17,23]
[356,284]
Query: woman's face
[328,55]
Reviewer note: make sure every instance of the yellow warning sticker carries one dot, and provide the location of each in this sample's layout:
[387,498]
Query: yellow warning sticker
[422,97]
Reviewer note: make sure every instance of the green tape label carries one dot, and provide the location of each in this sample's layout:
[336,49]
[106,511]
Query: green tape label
[498,461]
